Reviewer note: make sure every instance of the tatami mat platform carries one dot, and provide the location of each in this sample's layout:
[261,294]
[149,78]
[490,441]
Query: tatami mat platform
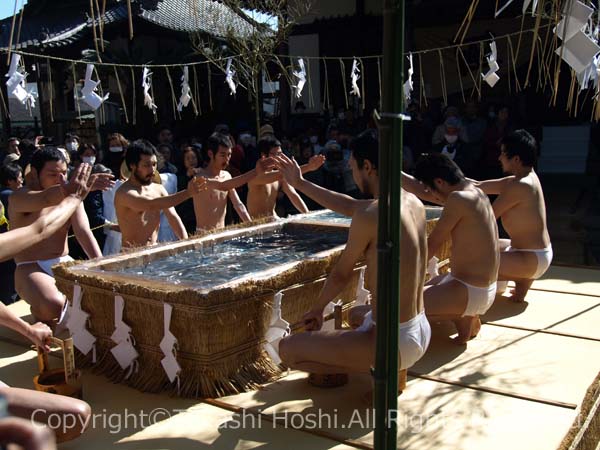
[519,385]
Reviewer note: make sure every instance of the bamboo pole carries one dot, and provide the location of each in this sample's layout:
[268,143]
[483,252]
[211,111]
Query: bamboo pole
[388,247]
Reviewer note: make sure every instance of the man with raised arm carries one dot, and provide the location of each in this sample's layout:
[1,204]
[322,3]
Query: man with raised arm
[520,205]
[34,280]
[139,201]
[264,190]
[468,219]
[25,403]
[210,205]
[354,350]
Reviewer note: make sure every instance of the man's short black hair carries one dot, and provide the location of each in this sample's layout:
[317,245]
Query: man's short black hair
[215,141]
[44,155]
[267,143]
[522,144]
[365,147]
[436,165]
[136,150]
[9,172]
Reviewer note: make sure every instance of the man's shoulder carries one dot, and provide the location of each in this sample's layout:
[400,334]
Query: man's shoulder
[367,211]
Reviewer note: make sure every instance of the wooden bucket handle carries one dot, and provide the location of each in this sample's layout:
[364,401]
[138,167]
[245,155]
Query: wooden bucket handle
[68,358]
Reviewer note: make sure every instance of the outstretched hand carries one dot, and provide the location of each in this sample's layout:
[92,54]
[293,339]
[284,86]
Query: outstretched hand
[315,162]
[197,185]
[79,183]
[290,170]
[101,182]
[264,165]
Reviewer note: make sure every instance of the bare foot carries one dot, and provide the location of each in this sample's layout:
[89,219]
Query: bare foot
[468,327]
[520,290]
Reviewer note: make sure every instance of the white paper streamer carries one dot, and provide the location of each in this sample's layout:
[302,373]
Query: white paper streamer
[354,77]
[491,77]
[229,74]
[167,345]
[362,294]
[408,85]
[432,267]
[76,320]
[88,91]
[146,84]
[278,329]
[124,352]
[301,75]
[185,98]
[16,84]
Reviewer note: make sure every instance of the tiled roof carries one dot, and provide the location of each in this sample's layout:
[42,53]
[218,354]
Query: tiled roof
[60,26]
[208,16]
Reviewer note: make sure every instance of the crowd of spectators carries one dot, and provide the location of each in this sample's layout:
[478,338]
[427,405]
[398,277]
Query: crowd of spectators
[466,135]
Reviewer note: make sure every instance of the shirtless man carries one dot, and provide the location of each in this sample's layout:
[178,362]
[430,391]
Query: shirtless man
[139,201]
[210,206]
[520,205]
[264,190]
[24,402]
[354,350]
[34,281]
[468,219]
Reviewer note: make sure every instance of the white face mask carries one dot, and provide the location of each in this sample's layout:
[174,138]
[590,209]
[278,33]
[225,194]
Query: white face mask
[451,138]
[72,146]
[88,160]
[115,149]
[314,139]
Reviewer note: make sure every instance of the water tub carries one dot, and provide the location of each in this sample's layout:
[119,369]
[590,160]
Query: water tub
[220,326]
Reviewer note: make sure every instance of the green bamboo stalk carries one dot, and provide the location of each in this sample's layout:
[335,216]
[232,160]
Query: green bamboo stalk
[388,276]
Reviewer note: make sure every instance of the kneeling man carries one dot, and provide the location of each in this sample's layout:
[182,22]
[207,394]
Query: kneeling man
[468,219]
[520,205]
[354,350]
[34,280]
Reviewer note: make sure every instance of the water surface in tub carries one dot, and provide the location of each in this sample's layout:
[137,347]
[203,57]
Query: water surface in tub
[326,215]
[216,264]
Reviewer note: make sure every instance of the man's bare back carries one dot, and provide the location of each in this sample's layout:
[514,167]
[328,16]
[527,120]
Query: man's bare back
[520,205]
[525,220]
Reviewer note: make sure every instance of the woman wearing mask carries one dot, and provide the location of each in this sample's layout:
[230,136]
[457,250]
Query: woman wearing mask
[117,145]
[72,142]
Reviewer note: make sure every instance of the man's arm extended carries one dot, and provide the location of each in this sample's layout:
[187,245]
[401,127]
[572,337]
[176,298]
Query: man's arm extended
[262,166]
[493,187]
[136,202]
[313,164]
[19,239]
[414,186]
[25,200]
[343,204]
[358,241]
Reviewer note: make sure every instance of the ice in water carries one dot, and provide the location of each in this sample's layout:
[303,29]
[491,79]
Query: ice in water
[214,264]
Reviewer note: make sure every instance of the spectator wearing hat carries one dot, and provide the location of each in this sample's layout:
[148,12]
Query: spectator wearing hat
[440,130]
[453,145]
